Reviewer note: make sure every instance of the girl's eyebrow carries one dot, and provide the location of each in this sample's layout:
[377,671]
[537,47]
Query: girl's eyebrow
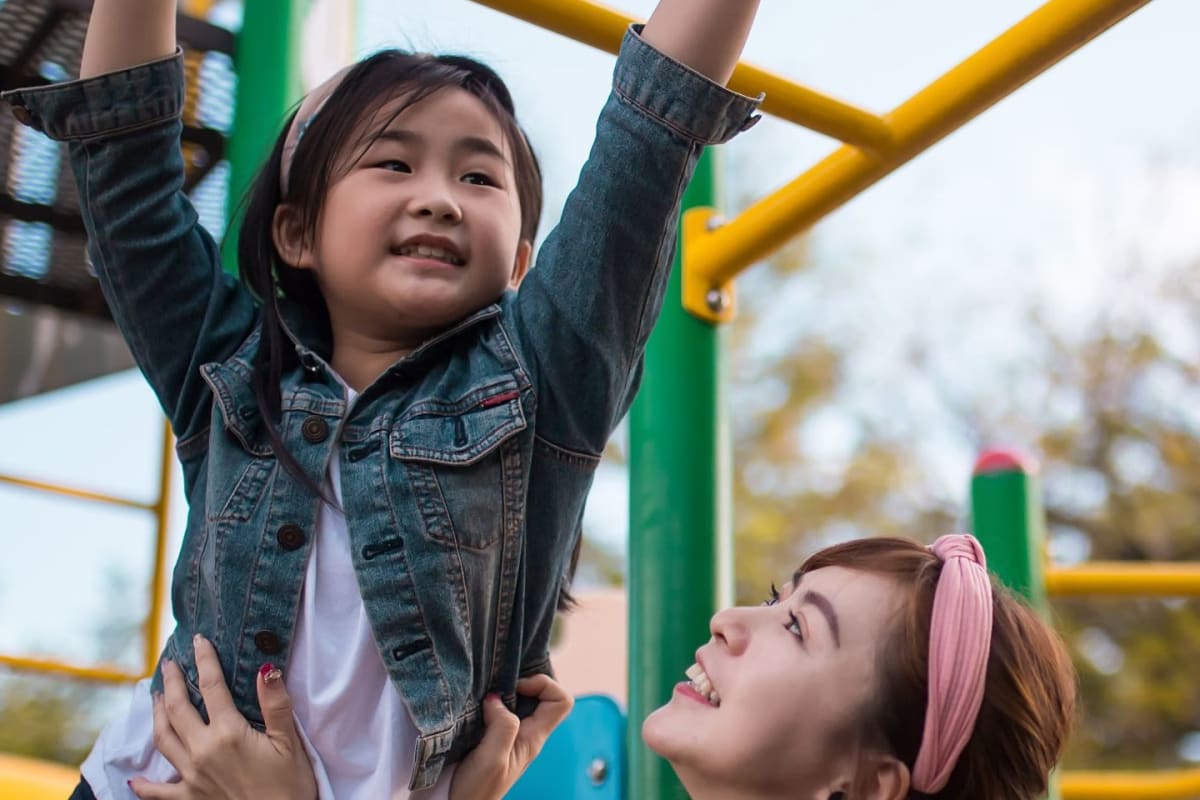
[480,145]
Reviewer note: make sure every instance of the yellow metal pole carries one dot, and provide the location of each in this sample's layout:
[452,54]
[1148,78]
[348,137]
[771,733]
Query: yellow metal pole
[1028,48]
[1128,579]
[602,27]
[102,674]
[158,584]
[80,494]
[1166,785]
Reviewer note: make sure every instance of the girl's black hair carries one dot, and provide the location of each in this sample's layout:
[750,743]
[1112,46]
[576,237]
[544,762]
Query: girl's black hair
[347,124]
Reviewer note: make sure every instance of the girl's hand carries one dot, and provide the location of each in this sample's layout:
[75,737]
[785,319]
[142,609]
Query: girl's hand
[226,759]
[510,744]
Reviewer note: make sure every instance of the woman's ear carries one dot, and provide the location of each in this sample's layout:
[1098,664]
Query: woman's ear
[521,263]
[287,231]
[883,778]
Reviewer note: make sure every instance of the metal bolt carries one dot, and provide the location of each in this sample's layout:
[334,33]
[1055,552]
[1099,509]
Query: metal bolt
[598,771]
[714,222]
[717,300]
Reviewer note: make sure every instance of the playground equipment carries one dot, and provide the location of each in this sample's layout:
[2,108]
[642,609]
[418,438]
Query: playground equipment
[679,544]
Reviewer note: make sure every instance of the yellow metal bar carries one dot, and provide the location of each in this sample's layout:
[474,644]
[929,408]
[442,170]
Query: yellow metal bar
[82,494]
[29,779]
[602,27]
[1129,579]
[101,673]
[158,585]
[1028,48]
[1164,785]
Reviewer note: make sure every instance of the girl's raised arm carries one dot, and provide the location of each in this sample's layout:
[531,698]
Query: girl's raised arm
[706,35]
[125,33]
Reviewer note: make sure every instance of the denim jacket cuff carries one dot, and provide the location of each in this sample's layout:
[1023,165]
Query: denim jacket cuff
[105,105]
[678,96]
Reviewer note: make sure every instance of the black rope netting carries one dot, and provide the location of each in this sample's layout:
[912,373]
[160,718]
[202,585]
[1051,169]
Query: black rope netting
[43,256]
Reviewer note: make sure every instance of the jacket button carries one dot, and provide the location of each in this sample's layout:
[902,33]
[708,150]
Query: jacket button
[314,429]
[267,642]
[290,537]
[25,117]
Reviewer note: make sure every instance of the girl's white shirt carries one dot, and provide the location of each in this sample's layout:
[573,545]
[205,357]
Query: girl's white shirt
[358,732]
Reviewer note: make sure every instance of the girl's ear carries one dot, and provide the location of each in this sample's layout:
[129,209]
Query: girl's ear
[521,263]
[287,231]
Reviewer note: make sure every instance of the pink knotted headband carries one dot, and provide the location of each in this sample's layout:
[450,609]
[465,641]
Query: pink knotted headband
[312,104]
[960,637]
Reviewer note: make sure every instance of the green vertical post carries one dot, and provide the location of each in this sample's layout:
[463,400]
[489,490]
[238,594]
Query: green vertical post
[678,480]
[268,69]
[1008,519]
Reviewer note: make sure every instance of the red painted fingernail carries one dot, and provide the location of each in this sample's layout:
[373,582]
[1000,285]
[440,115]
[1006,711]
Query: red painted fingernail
[492,698]
[265,668]
[270,673]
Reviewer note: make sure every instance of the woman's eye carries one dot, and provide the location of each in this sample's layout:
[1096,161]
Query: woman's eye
[395,165]
[478,179]
[773,598]
[794,628]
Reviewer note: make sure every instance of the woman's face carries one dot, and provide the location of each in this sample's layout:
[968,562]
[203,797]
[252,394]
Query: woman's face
[789,680]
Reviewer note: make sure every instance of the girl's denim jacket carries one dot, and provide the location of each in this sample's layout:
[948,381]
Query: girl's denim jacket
[464,467]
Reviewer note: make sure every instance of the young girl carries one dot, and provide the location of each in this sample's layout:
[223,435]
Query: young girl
[385,450]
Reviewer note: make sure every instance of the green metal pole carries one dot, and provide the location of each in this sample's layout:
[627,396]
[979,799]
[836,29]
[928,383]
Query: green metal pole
[1008,520]
[268,70]
[1007,517]
[677,476]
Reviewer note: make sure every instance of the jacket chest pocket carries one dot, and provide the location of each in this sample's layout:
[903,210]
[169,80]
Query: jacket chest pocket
[463,464]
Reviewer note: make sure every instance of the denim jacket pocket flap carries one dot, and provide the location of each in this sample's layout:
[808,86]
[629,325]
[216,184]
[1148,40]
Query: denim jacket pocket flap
[458,433]
[234,397]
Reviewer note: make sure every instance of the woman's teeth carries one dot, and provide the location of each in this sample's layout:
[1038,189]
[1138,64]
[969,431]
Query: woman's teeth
[426,251]
[702,684]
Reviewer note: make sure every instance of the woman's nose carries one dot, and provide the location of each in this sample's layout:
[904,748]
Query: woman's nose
[731,627]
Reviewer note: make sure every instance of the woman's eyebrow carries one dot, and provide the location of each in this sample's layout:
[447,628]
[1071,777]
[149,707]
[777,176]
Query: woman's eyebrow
[825,607]
[822,604]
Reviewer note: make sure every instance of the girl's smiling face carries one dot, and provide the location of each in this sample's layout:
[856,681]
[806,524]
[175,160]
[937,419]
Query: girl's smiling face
[421,228]
[792,679]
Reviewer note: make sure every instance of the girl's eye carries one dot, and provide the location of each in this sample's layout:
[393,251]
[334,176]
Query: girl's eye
[794,628]
[773,598]
[395,165]
[478,179]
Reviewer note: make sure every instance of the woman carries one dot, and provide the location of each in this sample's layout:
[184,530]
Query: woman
[885,670]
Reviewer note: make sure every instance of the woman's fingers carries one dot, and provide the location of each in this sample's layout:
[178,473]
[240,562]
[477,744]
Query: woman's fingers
[166,740]
[554,703]
[276,705]
[211,680]
[501,728]
[184,719]
[145,790]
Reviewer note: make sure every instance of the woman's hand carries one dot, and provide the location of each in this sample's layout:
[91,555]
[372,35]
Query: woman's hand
[510,744]
[226,759]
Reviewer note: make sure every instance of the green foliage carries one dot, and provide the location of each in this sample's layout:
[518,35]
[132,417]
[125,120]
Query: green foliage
[45,718]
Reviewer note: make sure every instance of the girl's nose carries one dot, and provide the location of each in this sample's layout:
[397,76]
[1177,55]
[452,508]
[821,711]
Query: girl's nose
[731,628]
[436,203]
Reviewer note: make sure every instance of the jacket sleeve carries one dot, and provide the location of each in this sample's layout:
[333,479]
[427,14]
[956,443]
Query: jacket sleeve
[160,271]
[585,311]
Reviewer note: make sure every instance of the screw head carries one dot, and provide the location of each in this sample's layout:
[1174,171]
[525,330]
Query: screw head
[598,771]
[717,300]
